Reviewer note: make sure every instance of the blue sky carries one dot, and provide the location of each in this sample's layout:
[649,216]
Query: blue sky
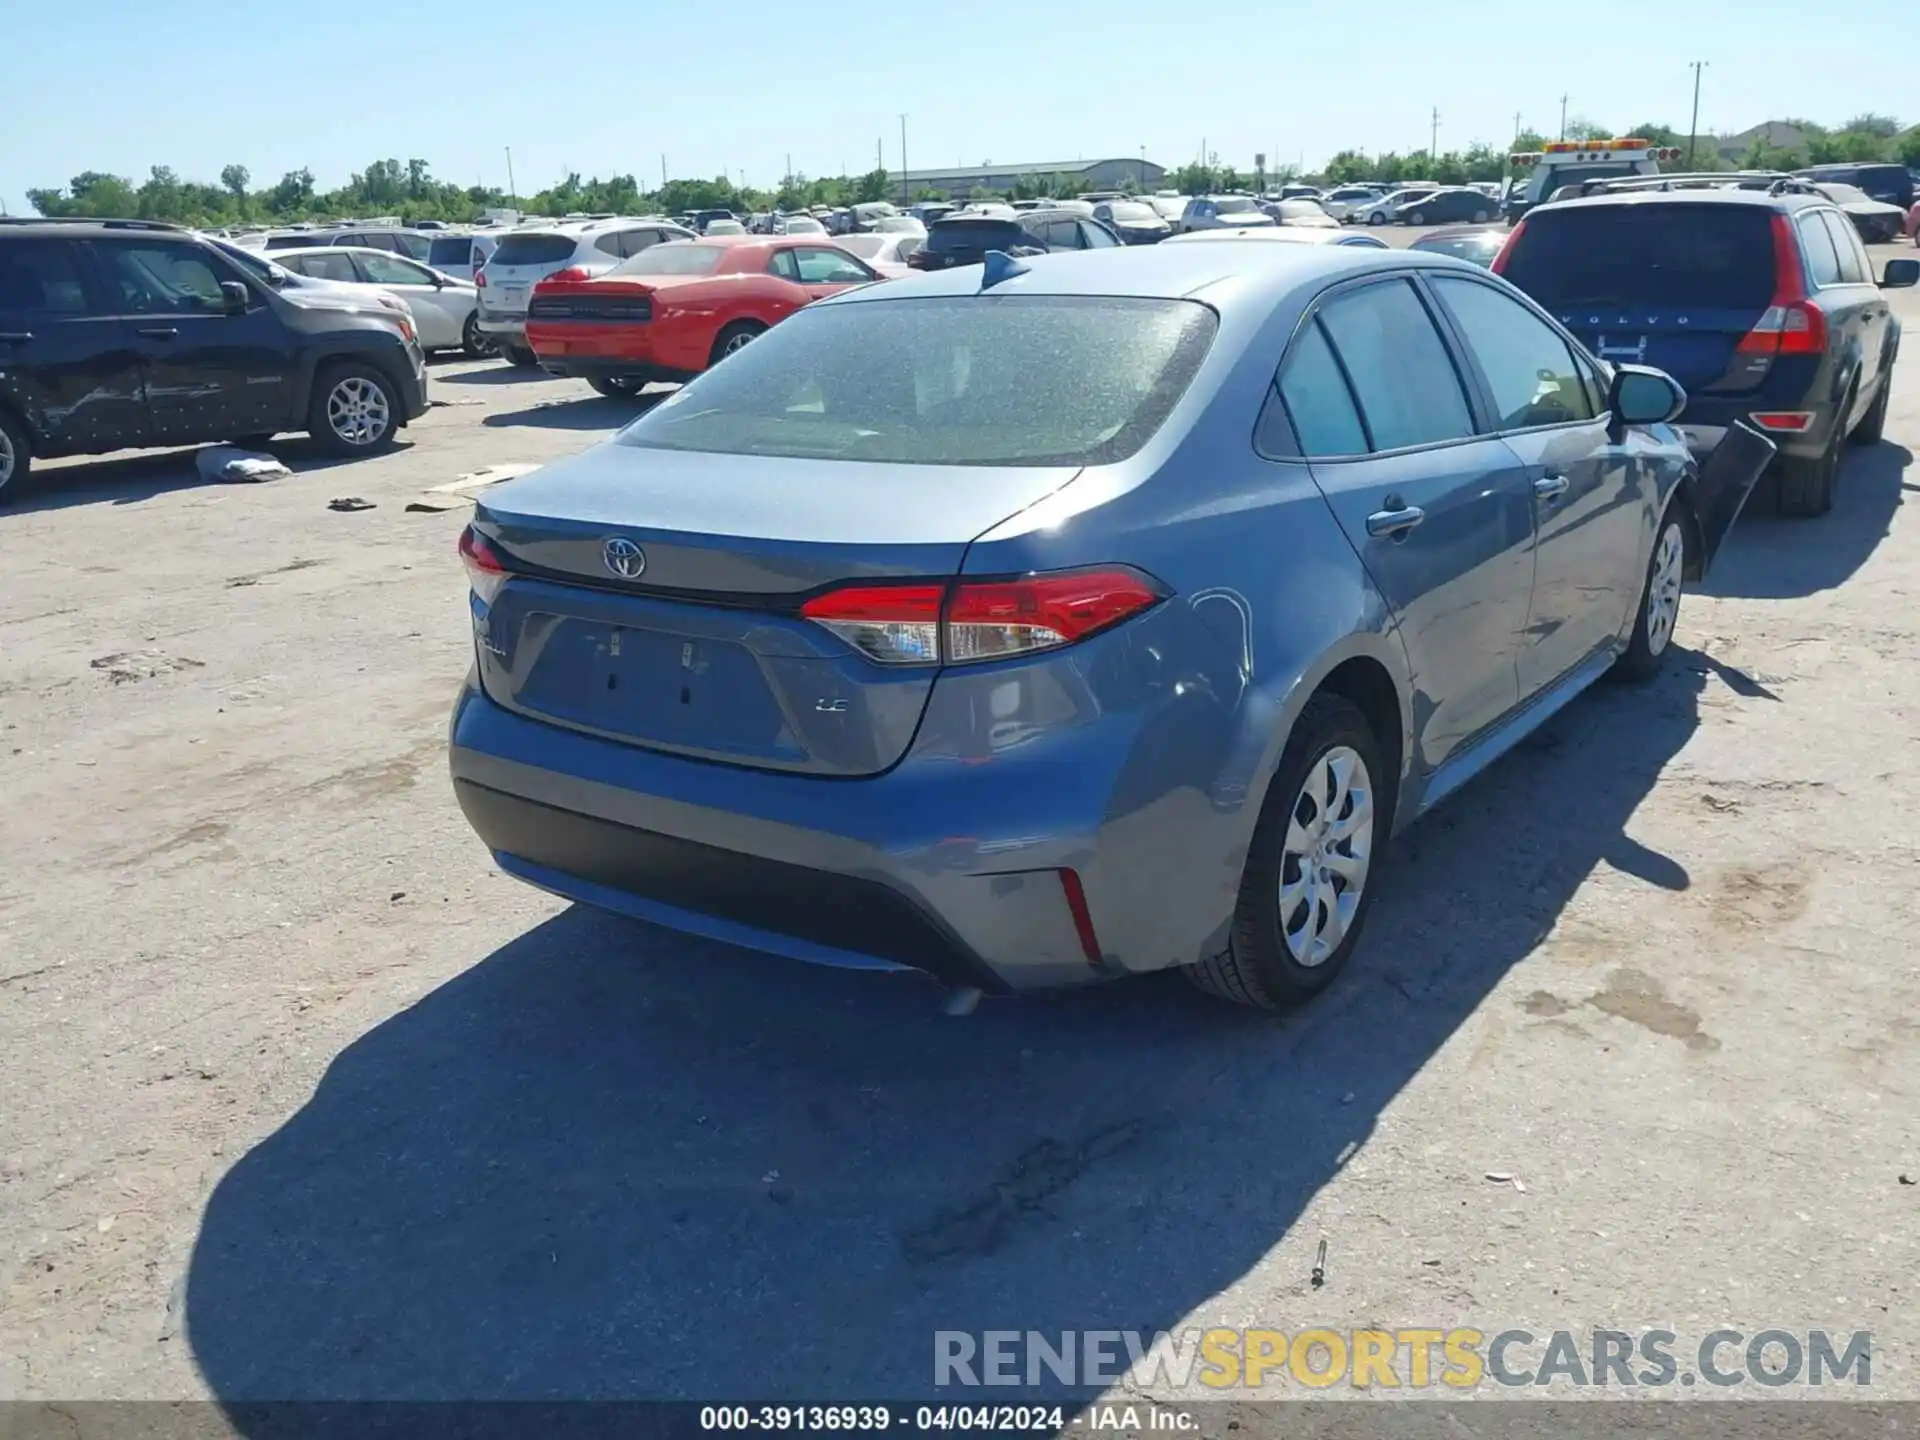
[120,86]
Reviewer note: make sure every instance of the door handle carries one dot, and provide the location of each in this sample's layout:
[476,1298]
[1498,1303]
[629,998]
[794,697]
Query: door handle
[1394,522]
[158,332]
[1550,487]
[15,337]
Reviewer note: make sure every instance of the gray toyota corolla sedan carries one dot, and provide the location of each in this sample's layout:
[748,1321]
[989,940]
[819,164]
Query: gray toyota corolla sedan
[1058,619]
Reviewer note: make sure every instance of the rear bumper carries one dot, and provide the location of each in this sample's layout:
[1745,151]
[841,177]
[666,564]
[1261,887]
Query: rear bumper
[630,370]
[498,327]
[1707,418]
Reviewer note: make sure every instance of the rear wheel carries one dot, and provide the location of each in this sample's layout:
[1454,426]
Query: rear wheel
[476,345]
[736,336]
[1417,218]
[354,410]
[16,457]
[1305,891]
[1479,217]
[616,387]
[521,356]
[1374,217]
[1874,423]
[1805,487]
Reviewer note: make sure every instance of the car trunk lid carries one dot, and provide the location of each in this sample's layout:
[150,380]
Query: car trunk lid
[656,596]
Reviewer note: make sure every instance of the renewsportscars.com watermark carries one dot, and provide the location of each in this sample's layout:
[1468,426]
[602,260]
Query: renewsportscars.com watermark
[1413,1358]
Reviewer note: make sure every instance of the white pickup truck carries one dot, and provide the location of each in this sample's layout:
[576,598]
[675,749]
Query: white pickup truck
[1538,173]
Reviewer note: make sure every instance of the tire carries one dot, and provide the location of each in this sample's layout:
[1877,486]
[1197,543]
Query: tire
[354,410]
[1874,423]
[1262,966]
[1374,217]
[1804,489]
[616,389]
[16,457]
[1658,615]
[474,344]
[736,336]
[1479,217]
[522,357]
[1417,218]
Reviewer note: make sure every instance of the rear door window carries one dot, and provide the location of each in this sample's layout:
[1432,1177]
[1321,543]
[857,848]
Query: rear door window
[1408,390]
[1671,254]
[1855,268]
[1317,400]
[1530,372]
[42,277]
[1823,261]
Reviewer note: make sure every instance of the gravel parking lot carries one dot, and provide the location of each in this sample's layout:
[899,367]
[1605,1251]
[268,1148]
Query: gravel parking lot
[303,1099]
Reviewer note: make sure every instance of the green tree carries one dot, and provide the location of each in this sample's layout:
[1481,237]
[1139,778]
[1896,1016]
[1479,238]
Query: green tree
[1869,123]
[1762,156]
[1581,128]
[1348,166]
[872,186]
[236,179]
[293,196]
[1907,148]
[1659,135]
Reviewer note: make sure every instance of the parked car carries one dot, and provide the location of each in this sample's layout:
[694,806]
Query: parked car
[124,333]
[928,211]
[525,257]
[1877,221]
[885,251]
[1342,202]
[445,310]
[1134,221]
[1763,306]
[338,292]
[1476,243]
[1387,207]
[1298,192]
[1168,207]
[965,238]
[415,244]
[1304,214]
[1222,212]
[1889,183]
[798,225]
[724,227]
[1450,205]
[938,633]
[1295,234]
[674,309]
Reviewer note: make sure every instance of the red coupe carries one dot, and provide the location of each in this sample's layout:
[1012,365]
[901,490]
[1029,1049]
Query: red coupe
[674,309]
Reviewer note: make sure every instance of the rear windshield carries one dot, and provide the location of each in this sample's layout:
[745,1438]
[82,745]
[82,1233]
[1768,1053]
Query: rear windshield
[1711,257]
[534,249]
[946,380]
[982,234]
[676,257]
[1132,211]
[450,250]
[1235,205]
[1478,248]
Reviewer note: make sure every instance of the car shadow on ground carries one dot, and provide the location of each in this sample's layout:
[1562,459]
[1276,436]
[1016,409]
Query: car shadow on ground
[498,373]
[593,412]
[1768,556]
[137,478]
[610,1162]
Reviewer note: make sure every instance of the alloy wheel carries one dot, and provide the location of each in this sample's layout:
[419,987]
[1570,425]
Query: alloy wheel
[358,412]
[737,342]
[1326,855]
[1663,589]
[7,458]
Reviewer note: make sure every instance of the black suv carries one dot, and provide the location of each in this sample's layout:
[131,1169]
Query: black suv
[1762,303]
[965,238]
[123,333]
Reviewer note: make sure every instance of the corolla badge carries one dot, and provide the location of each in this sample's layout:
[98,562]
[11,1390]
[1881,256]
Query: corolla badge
[624,558]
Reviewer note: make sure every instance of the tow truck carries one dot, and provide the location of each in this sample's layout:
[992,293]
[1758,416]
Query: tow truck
[1538,173]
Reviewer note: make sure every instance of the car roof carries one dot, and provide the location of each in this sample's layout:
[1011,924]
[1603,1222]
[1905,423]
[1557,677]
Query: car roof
[42,227]
[1757,198]
[1461,232]
[1230,273]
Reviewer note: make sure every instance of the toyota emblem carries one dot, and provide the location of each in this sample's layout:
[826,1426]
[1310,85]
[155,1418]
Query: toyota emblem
[624,558]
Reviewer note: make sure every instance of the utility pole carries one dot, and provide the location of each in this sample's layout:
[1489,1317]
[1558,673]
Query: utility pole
[788,179]
[879,155]
[513,191]
[1433,140]
[906,197]
[1693,127]
[1516,128]
[663,171]
[1563,117]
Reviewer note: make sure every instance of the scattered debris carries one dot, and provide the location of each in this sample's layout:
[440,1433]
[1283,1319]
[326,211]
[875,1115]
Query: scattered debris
[1504,1177]
[103,1224]
[769,1177]
[1908,1180]
[1716,802]
[1430,1262]
[1347,1099]
[397,895]
[457,493]
[124,666]
[439,404]
[434,504]
[231,465]
[349,502]
[1320,1266]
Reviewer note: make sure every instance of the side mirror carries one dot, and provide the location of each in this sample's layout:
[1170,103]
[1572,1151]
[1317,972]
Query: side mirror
[1900,274]
[234,297]
[1642,395]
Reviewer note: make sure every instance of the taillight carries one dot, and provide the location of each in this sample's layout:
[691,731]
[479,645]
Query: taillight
[1791,324]
[922,624]
[1790,422]
[485,570]
[1506,248]
[480,277]
[572,272]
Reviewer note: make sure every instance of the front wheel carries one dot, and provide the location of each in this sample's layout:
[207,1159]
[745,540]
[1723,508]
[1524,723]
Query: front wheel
[1376,218]
[1479,217]
[1659,612]
[473,341]
[616,387]
[1305,891]
[354,410]
[16,457]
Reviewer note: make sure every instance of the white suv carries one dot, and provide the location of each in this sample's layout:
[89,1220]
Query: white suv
[529,255]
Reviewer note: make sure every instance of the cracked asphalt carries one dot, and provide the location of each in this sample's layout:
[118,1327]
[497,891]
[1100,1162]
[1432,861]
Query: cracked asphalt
[302,1099]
